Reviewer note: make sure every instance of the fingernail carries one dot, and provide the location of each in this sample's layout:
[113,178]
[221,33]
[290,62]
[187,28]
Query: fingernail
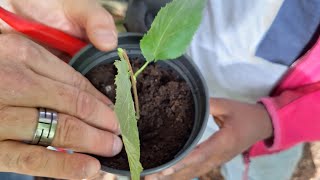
[117,145]
[106,37]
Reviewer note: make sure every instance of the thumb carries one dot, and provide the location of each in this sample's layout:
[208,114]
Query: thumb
[218,109]
[95,20]
[219,106]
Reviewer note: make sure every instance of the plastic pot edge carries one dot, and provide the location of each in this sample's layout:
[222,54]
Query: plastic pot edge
[195,140]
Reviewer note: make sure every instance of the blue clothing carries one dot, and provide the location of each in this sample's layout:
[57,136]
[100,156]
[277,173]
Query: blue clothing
[289,36]
[13,176]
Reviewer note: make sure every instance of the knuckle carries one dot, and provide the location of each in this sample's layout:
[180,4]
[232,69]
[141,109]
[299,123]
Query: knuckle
[68,130]
[19,48]
[23,80]
[103,141]
[7,161]
[85,105]
[28,53]
[69,166]
[84,170]
[15,82]
[79,81]
[76,167]
[5,119]
[3,114]
[34,160]
[11,39]
[8,156]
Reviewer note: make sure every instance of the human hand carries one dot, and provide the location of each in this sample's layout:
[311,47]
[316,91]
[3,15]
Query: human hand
[241,124]
[84,19]
[32,77]
[85,123]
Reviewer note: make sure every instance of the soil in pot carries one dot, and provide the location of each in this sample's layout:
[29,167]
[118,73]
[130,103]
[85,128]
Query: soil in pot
[167,112]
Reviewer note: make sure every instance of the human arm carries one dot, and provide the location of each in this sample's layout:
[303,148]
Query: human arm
[292,108]
[32,77]
[241,125]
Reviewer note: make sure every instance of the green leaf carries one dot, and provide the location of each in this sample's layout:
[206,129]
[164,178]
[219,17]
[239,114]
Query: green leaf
[124,108]
[172,30]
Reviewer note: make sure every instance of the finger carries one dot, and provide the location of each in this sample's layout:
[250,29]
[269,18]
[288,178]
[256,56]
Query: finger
[195,165]
[74,134]
[61,72]
[71,133]
[37,91]
[219,106]
[219,122]
[104,176]
[196,157]
[97,22]
[218,149]
[42,62]
[38,161]
[72,101]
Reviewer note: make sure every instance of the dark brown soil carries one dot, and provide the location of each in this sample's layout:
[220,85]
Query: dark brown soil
[167,113]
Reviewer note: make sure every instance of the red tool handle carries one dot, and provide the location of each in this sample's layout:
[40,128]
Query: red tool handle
[42,33]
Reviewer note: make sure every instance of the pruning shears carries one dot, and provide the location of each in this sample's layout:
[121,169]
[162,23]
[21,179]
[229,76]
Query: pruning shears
[47,35]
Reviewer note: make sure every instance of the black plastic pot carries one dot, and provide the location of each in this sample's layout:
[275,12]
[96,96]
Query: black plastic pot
[90,57]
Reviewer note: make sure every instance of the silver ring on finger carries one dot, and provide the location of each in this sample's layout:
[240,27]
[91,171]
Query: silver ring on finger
[46,127]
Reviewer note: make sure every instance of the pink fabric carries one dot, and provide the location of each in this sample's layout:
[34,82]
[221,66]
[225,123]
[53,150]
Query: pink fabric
[305,70]
[294,106]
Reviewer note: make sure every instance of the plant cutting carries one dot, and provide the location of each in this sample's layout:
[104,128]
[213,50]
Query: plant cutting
[170,34]
[173,94]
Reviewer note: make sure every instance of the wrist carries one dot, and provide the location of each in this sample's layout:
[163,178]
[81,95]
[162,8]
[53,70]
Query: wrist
[265,122]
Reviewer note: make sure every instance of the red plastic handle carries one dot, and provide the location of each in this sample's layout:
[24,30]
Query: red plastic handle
[42,33]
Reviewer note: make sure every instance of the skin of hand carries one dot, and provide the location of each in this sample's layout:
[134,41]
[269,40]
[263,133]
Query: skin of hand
[85,19]
[31,77]
[241,125]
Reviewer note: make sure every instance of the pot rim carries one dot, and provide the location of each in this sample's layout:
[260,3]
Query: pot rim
[186,150]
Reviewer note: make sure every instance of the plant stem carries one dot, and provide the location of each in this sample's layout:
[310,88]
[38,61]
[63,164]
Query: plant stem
[141,69]
[134,84]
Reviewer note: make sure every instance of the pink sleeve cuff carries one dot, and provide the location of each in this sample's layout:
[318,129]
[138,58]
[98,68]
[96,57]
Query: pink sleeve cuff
[274,143]
[294,107]
[295,117]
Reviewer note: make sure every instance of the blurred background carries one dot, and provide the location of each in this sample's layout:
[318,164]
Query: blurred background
[118,9]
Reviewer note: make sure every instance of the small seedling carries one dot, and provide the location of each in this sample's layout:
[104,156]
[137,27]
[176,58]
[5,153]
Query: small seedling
[170,34]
